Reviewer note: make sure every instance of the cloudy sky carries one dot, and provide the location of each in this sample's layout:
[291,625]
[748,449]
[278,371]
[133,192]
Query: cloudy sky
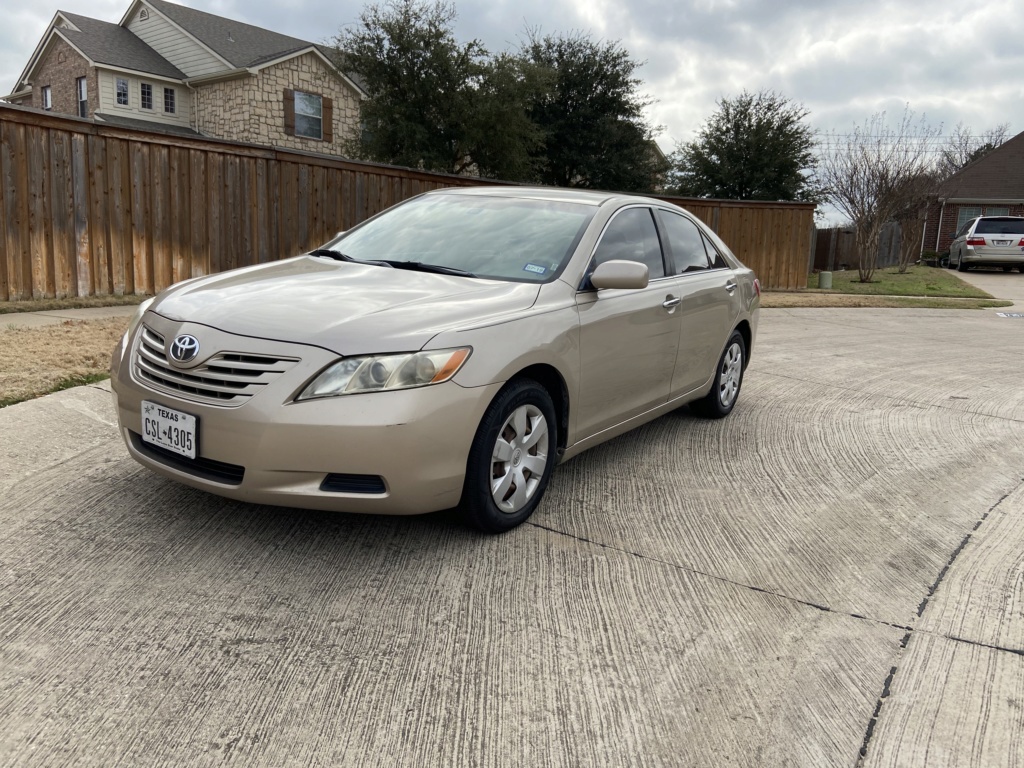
[843,59]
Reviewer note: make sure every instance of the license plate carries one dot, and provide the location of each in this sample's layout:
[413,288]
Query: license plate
[170,429]
[1000,242]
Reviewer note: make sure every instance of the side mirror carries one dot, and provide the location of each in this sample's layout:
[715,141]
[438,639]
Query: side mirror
[620,274]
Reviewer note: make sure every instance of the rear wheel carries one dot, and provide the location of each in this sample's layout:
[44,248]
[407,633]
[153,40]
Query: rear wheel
[960,266]
[511,459]
[725,390]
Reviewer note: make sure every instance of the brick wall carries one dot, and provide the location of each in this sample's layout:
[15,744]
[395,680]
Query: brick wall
[950,214]
[59,67]
[251,109]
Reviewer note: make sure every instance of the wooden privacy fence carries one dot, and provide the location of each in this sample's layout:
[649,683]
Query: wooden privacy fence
[772,238]
[94,209]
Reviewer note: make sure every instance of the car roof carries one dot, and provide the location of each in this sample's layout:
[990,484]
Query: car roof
[583,196]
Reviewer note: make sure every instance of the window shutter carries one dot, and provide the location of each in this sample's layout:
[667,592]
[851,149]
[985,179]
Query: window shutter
[289,111]
[327,112]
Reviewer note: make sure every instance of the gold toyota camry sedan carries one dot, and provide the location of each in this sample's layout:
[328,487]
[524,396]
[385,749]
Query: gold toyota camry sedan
[448,352]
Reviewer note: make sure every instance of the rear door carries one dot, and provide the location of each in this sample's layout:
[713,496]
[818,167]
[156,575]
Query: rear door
[709,305]
[628,338]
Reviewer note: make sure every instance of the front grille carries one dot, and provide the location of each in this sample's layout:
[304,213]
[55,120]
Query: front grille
[207,469]
[341,483]
[227,378]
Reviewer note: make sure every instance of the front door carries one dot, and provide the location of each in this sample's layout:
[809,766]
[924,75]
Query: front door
[628,338]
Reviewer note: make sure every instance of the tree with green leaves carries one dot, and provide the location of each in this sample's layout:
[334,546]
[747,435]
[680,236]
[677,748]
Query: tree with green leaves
[756,146]
[435,103]
[587,105]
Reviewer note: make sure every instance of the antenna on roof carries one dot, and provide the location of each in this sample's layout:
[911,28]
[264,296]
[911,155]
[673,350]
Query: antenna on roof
[230,38]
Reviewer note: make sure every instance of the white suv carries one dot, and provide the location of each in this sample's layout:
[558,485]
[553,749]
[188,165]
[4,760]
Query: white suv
[995,241]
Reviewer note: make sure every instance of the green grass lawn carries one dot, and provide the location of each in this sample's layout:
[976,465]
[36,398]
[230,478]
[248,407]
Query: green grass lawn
[917,281]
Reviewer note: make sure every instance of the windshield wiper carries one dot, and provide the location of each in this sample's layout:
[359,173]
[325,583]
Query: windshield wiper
[420,266]
[330,253]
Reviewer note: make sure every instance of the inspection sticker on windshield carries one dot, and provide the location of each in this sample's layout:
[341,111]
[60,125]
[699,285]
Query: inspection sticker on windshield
[1010,314]
[535,268]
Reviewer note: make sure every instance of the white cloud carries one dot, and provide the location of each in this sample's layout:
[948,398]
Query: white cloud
[843,59]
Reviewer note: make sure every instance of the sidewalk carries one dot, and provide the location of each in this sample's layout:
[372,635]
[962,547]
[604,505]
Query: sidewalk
[58,316]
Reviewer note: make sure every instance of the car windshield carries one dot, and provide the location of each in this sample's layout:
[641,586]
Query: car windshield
[506,238]
[999,227]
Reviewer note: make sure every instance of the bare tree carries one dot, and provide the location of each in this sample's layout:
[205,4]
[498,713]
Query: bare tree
[909,214]
[867,176]
[964,147]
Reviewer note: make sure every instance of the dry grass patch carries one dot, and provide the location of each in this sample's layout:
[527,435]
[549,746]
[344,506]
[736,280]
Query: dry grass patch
[79,302]
[778,300]
[37,361]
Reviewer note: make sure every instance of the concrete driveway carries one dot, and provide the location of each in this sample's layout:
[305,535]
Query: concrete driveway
[830,577]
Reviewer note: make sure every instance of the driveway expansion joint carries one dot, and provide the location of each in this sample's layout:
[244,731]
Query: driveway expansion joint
[887,685]
[722,579]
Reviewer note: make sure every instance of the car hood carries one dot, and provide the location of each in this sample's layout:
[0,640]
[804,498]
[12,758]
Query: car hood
[348,308]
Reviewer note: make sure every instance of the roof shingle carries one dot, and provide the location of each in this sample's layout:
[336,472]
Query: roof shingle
[243,45]
[111,44]
[999,175]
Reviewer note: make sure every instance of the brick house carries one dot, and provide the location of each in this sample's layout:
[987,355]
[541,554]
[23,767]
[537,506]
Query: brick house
[990,186]
[174,68]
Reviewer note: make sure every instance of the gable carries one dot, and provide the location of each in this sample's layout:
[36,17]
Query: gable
[999,175]
[192,58]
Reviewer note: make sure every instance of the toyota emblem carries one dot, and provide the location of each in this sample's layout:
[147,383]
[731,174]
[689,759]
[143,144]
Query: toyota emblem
[185,348]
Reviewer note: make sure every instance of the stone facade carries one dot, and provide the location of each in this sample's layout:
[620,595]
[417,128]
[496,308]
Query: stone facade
[251,108]
[60,67]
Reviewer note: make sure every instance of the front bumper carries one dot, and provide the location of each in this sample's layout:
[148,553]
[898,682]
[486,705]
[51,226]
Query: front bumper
[416,441]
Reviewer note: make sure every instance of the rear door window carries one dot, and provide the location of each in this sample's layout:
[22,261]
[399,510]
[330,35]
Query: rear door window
[1007,226]
[717,260]
[686,242]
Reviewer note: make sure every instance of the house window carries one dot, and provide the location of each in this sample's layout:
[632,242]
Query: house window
[993,211]
[83,97]
[122,92]
[169,100]
[965,214]
[309,115]
[47,98]
[146,95]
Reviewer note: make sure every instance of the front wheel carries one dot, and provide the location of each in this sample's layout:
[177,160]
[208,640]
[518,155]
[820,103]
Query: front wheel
[511,459]
[725,390]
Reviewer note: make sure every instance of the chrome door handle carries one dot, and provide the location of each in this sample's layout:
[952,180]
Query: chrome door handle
[730,286]
[671,301]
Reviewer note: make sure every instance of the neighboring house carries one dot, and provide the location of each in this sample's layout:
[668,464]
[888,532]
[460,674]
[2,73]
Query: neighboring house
[990,186]
[165,65]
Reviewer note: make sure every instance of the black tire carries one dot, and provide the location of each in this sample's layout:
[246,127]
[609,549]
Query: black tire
[478,506]
[960,266]
[1007,269]
[1021,269]
[716,404]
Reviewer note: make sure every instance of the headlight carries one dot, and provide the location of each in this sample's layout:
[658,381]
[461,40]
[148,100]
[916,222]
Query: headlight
[134,323]
[376,373]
